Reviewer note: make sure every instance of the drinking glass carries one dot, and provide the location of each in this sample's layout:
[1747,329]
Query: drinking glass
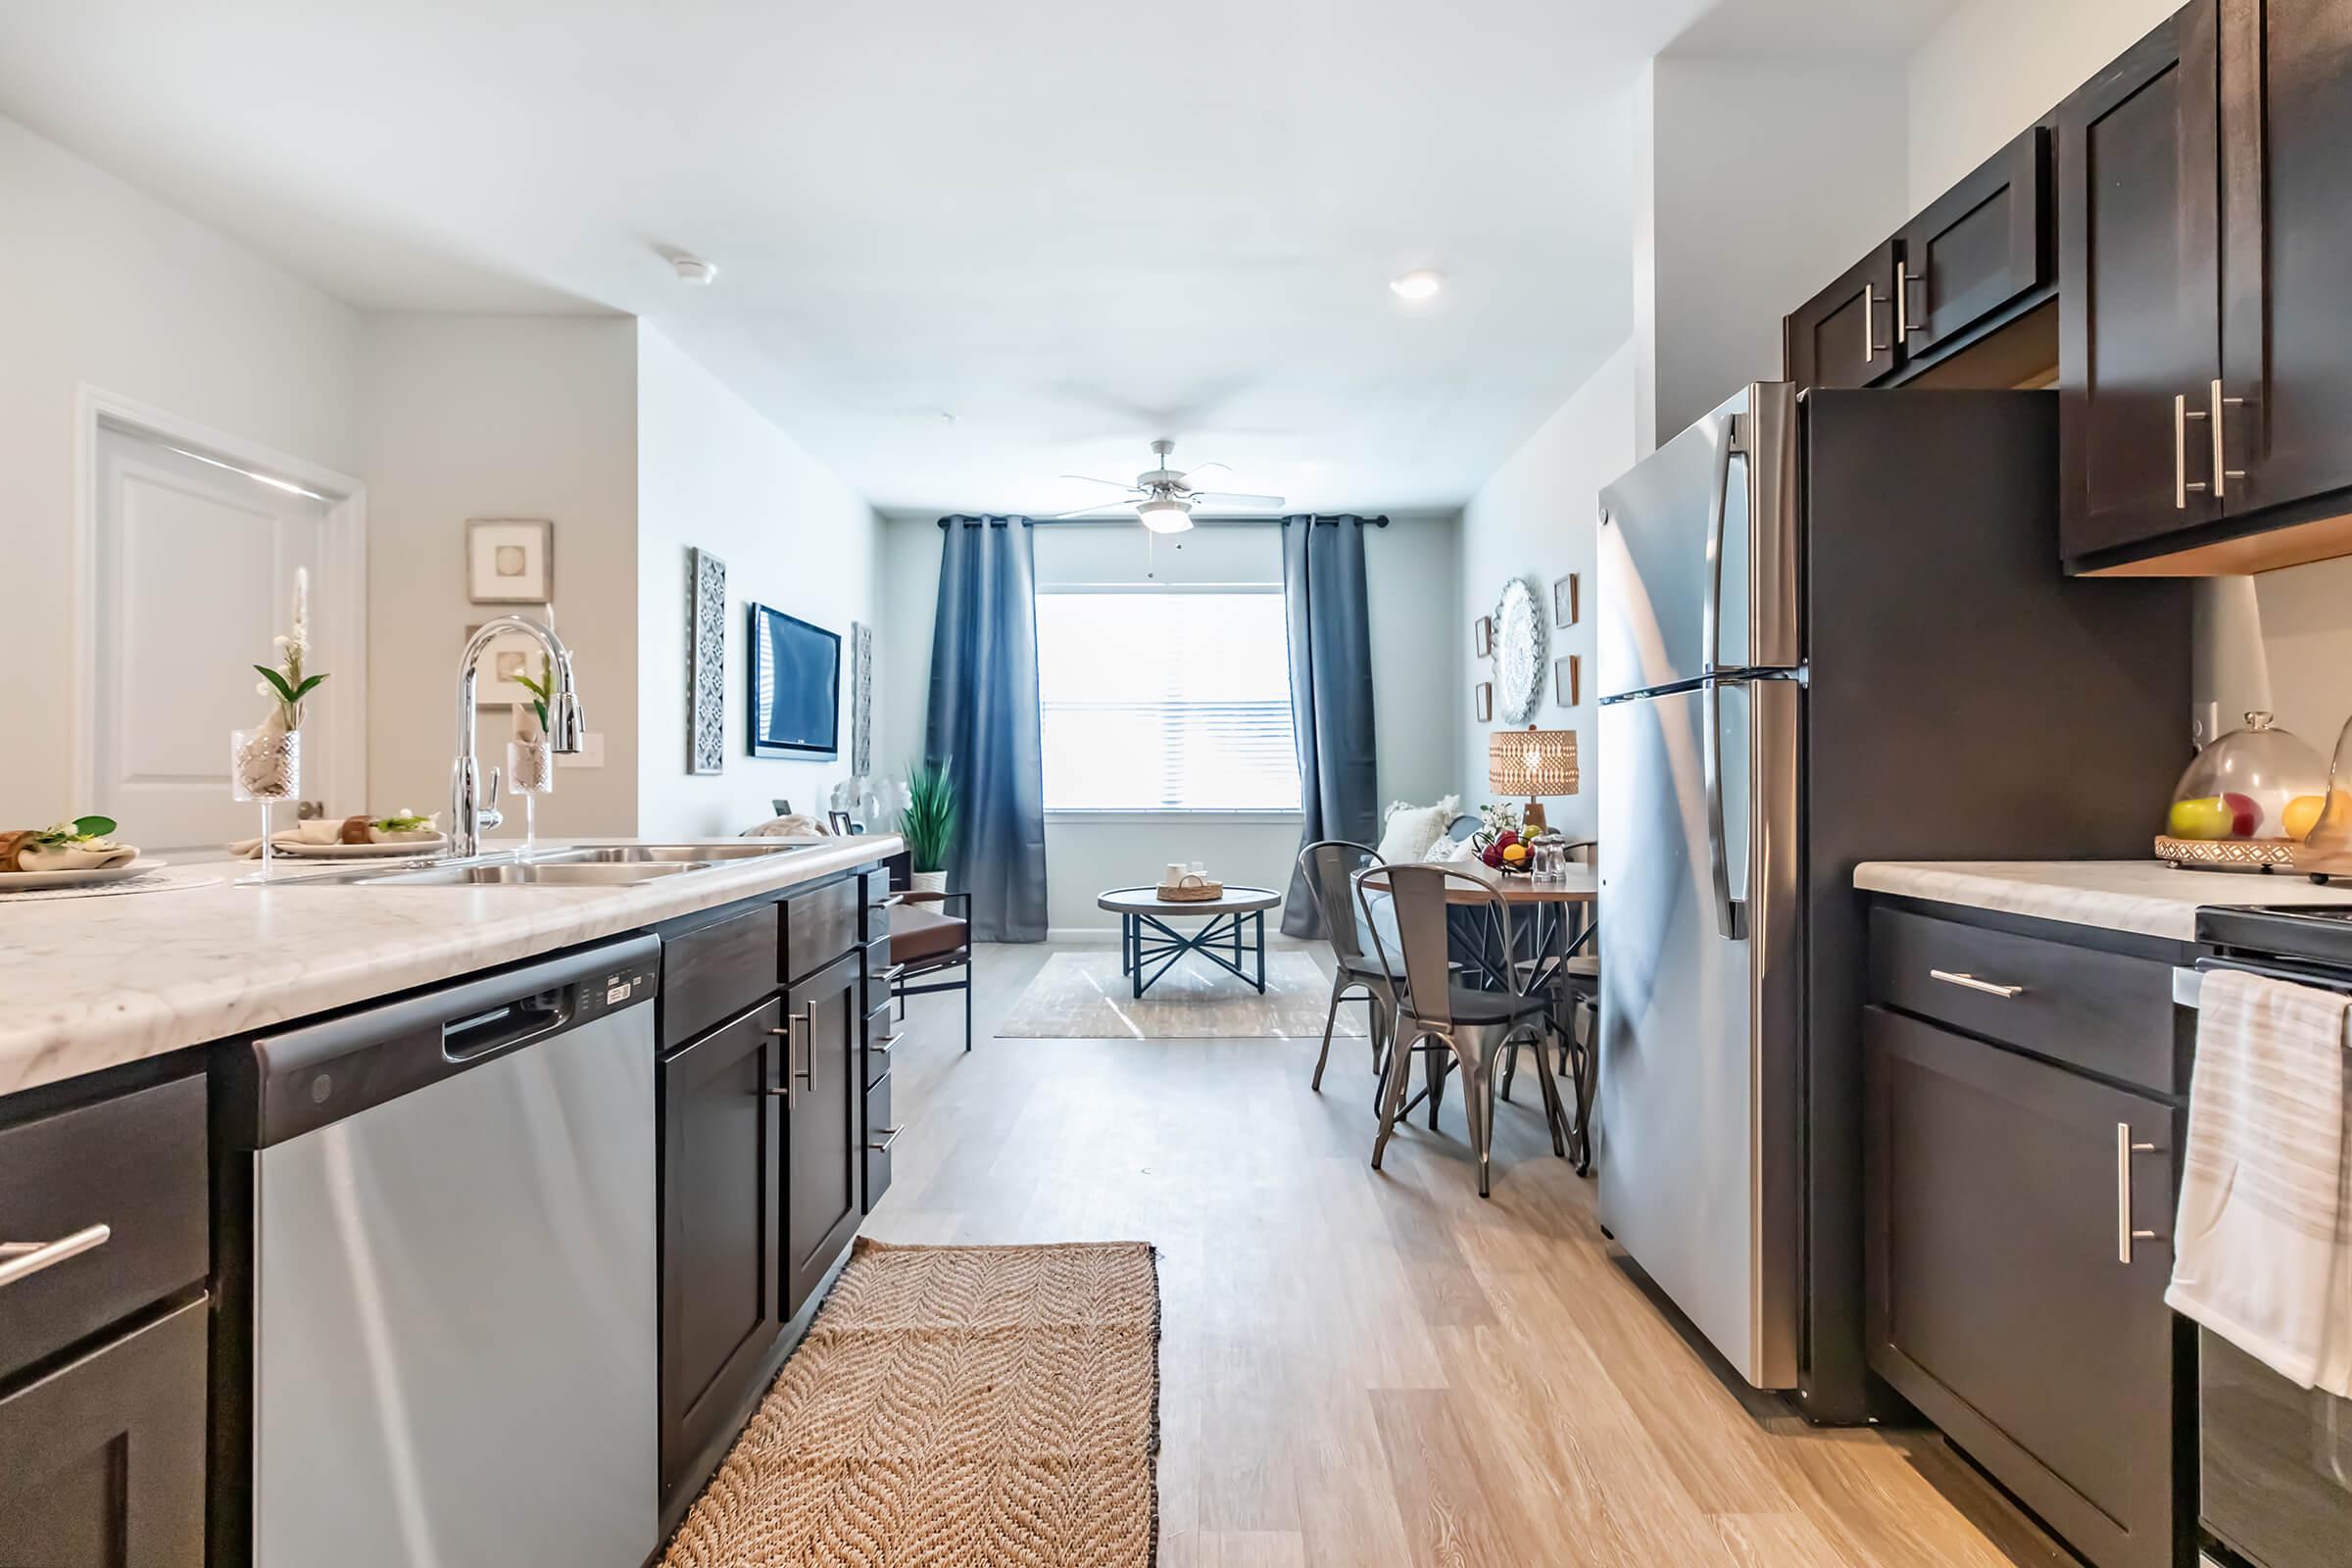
[265,765]
[531,774]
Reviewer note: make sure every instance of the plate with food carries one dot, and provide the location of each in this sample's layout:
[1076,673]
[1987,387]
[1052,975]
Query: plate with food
[363,838]
[67,855]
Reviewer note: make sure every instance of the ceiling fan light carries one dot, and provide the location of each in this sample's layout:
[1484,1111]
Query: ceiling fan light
[1164,516]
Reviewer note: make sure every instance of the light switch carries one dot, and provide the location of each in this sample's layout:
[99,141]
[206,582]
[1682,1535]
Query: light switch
[590,755]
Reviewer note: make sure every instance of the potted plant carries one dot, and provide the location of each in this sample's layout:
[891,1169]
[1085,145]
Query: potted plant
[928,824]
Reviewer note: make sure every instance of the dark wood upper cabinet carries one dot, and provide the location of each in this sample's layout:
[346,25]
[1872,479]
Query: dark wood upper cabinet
[1844,336]
[1978,248]
[2006,1299]
[722,1161]
[2139,289]
[823,1142]
[2286,251]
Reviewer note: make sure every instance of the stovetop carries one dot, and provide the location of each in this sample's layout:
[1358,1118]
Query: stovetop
[2319,933]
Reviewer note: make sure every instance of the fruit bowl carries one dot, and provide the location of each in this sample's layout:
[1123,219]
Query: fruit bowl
[2246,803]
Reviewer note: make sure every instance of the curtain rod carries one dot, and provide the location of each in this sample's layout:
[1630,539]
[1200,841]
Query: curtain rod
[1331,518]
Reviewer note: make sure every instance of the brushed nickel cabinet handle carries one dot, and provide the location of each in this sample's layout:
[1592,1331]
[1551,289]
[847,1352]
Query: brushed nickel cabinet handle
[2223,473]
[884,1045]
[2124,1235]
[22,1259]
[2182,414]
[1872,347]
[794,1024]
[1905,325]
[1972,983]
[890,1136]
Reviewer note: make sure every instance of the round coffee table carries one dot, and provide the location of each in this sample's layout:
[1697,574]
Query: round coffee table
[1237,920]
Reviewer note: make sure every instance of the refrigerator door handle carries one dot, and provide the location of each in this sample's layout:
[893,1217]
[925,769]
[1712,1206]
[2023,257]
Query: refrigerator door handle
[1726,438]
[1731,915]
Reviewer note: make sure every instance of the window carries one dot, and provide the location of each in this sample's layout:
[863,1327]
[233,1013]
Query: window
[1160,700]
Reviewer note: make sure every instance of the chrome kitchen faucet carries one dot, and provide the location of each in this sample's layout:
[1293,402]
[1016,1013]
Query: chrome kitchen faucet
[468,814]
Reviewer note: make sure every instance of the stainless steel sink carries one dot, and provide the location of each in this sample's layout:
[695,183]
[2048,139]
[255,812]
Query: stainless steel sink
[565,873]
[669,854]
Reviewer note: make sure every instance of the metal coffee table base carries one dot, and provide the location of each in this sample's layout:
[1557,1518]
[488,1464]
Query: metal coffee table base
[1146,940]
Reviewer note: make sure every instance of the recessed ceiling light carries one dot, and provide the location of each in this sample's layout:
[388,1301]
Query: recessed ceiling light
[1417,285]
[693,268]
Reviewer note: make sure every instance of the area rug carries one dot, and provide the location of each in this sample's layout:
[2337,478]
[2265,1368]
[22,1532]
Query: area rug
[1082,995]
[954,1407]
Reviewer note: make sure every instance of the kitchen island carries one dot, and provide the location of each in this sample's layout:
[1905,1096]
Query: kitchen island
[538,1184]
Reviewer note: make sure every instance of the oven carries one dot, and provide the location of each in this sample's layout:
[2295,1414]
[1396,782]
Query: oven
[2274,1461]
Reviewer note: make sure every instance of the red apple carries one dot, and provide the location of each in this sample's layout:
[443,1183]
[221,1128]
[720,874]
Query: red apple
[2245,814]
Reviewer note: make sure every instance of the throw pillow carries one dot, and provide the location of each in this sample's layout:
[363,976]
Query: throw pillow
[1411,829]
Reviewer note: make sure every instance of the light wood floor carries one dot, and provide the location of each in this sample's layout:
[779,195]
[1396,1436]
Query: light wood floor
[1363,1368]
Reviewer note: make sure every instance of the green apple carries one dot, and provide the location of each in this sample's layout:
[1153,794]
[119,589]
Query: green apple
[2207,816]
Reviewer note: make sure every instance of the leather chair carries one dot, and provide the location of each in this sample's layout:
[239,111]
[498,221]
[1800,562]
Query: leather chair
[931,933]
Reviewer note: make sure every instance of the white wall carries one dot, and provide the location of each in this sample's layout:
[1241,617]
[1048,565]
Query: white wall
[1409,581]
[1758,179]
[499,417]
[102,287]
[714,473]
[1537,518]
[1995,67]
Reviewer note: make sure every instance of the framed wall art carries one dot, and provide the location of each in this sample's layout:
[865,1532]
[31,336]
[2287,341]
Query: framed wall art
[1482,637]
[508,656]
[1566,682]
[1563,601]
[510,561]
[1481,698]
[706,662]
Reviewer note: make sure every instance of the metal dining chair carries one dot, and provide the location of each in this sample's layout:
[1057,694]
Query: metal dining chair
[1477,1026]
[1329,866]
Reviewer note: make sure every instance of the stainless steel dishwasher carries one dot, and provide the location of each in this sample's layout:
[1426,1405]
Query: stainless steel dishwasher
[455,1338]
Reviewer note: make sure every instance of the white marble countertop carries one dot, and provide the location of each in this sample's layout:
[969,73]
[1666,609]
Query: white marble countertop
[2139,896]
[90,983]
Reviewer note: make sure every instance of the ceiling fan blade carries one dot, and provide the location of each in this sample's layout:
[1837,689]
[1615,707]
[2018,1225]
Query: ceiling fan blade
[1204,468]
[1227,497]
[1088,478]
[1078,511]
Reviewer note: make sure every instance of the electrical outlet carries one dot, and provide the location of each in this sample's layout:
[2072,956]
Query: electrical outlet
[590,755]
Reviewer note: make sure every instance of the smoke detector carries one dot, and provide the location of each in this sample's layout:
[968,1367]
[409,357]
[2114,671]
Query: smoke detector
[693,270]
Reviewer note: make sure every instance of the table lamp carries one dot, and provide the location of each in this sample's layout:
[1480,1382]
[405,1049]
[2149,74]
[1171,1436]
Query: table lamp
[1533,763]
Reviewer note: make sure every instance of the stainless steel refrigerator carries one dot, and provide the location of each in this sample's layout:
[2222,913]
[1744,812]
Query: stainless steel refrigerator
[1831,628]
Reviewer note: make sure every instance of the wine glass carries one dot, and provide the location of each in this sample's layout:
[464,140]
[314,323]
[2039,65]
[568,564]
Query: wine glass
[265,765]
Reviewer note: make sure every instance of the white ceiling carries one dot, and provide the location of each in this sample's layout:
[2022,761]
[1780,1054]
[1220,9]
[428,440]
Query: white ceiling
[1072,224]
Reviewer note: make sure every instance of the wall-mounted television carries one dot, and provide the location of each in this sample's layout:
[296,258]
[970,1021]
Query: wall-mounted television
[796,687]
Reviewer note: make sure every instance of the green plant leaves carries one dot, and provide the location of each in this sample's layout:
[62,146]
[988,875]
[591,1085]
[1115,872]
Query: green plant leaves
[287,693]
[928,822]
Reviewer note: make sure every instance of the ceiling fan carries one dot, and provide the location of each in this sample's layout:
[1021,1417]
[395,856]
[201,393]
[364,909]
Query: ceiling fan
[1164,498]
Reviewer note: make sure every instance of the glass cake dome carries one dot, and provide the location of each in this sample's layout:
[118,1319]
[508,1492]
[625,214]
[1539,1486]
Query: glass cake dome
[2246,801]
[2327,849]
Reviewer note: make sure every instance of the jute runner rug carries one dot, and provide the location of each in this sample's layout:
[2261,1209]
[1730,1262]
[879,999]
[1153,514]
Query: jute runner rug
[954,1407]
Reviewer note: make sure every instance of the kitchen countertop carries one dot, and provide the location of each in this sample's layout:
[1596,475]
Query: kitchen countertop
[92,982]
[2139,896]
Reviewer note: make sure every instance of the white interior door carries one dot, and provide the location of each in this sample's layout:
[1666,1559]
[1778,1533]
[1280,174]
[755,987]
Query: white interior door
[192,575]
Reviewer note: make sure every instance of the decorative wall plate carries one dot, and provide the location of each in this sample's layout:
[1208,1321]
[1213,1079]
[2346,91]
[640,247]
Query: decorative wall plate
[1519,647]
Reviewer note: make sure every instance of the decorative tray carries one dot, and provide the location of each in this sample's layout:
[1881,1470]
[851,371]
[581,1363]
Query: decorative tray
[1192,890]
[2226,854]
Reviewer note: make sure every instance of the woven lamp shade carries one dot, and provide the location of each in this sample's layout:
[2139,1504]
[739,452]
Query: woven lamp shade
[1532,762]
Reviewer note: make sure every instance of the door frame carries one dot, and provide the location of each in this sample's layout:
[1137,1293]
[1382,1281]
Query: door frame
[341,591]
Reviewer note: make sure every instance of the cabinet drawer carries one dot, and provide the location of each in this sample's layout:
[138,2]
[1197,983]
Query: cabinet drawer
[2016,1218]
[819,926]
[881,1137]
[876,895]
[134,1164]
[881,1039]
[102,1460]
[2105,1013]
[714,970]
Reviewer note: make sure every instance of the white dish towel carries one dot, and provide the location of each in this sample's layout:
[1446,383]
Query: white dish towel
[2262,1253]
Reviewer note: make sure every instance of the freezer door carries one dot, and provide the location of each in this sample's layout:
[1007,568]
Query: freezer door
[1697,551]
[1700,1022]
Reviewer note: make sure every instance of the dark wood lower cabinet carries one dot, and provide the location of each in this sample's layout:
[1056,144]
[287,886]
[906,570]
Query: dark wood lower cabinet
[824,1145]
[722,1161]
[2009,1295]
[102,1460]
